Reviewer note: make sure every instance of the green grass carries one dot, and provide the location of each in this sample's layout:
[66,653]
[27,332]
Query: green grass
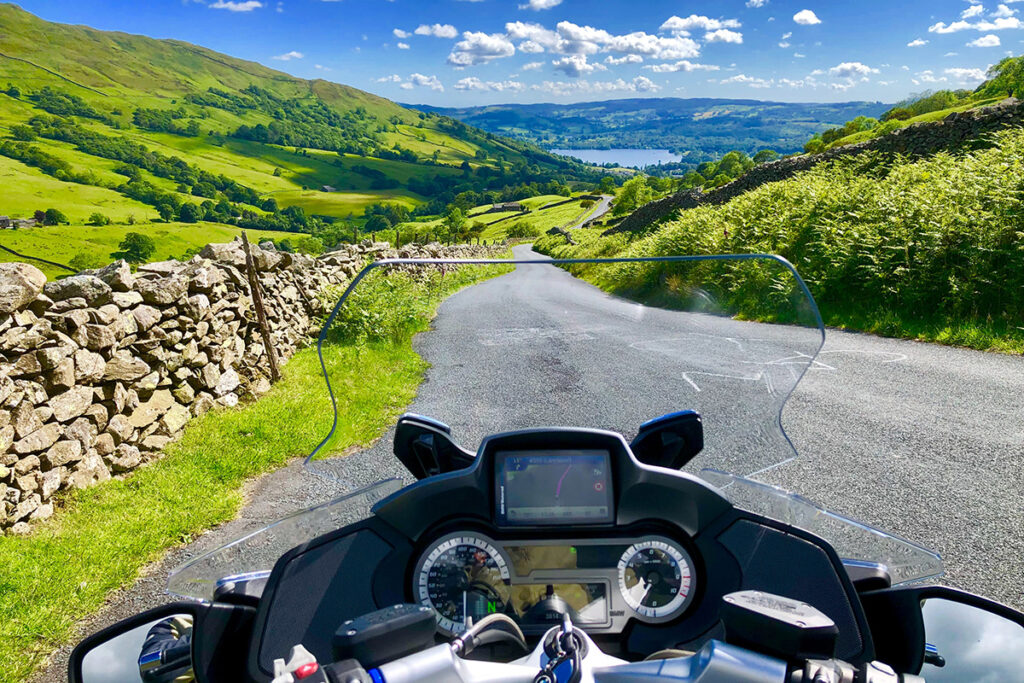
[61,243]
[101,537]
[931,249]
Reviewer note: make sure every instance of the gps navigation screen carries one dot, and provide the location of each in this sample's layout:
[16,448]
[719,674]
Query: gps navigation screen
[555,487]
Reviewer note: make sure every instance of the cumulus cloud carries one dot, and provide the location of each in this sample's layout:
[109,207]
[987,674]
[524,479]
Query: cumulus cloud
[431,82]
[572,39]
[474,83]
[1000,24]
[806,17]
[851,70]
[928,76]
[966,75]
[972,11]
[530,66]
[682,65]
[576,66]
[399,33]
[624,59]
[1003,11]
[477,47]
[723,35]
[743,79]
[436,30]
[229,5]
[562,88]
[288,56]
[403,46]
[756,3]
[695,22]
[917,42]
[991,40]
[538,5]
[393,78]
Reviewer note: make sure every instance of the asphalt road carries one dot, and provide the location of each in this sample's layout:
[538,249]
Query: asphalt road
[923,441]
[603,207]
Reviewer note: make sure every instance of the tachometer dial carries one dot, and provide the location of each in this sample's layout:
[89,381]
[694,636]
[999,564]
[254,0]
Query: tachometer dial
[462,576]
[656,578]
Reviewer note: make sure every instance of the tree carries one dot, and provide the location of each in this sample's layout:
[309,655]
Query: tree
[1007,76]
[765,155]
[39,216]
[310,245]
[815,145]
[189,213]
[135,247]
[83,261]
[607,185]
[13,91]
[54,217]
[377,223]
[455,220]
[269,205]
[98,219]
[166,212]
[635,192]
[23,133]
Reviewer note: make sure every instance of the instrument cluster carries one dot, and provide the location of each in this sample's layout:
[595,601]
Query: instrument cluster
[600,583]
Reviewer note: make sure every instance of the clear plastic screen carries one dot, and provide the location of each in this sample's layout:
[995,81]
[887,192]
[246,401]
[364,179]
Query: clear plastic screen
[609,344]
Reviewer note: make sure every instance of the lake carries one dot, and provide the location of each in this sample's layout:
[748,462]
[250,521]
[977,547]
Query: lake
[623,157]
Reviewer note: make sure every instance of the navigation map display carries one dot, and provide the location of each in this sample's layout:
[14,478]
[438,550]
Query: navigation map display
[553,487]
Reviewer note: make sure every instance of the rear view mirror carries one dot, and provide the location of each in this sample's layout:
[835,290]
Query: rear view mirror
[426,448]
[670,440]
[159,650]
[158,646]
[945,635]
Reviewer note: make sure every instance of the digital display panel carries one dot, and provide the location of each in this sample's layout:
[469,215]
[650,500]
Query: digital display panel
[553,487]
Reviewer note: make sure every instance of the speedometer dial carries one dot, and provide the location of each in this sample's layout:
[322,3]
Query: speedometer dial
[462,576]
[656,578]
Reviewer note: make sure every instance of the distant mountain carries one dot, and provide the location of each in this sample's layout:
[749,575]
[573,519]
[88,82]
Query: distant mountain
[700,129]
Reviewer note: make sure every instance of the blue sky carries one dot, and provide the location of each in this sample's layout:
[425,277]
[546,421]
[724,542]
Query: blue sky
[465,52]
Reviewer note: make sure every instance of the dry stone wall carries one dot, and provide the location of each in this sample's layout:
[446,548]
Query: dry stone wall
[99,371]
[957,131]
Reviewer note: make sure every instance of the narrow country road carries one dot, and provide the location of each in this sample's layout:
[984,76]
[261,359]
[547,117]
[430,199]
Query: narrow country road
[924,441]
[603,207]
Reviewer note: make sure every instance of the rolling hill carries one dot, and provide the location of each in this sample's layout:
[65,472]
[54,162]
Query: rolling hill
[140,130]
[700,129]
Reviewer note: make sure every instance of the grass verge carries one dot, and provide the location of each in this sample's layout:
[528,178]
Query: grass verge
[103,536]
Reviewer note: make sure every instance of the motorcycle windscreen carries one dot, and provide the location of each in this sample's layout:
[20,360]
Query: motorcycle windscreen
[607,344]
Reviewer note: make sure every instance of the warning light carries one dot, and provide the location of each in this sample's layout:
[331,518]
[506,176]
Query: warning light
[598,486]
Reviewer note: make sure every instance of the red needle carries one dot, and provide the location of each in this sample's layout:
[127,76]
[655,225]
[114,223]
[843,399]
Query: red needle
[558,489]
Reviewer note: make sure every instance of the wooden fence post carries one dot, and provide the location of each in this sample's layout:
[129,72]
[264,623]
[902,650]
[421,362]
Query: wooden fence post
[261,314]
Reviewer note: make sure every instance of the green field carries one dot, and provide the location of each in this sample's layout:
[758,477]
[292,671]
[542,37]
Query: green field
[62,243]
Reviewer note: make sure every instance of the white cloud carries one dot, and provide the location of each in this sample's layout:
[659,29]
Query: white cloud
[399,33]
[1000,24]
[625,59]
[917,42]
[393,78]
[851,70]
[576,66]
[787,35]
[951,54]
[928,76]
[683,65]
[538,5]
[806,17]
[431,82]
[530,66]
[756,3]
[474,83]
[784,45]
[321,67]
[695,22]
[1003,11]
[991,40]
[655,47]
[436,30]
[972,11]
[229,5]
[798,55]
[723,35]
[743,79]
[563,88]
[477,47]
[966,75]
[403,46]
[288,56]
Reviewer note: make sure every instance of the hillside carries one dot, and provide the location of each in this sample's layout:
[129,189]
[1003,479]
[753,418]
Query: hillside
[141,130]
[700,129]
[928,248]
